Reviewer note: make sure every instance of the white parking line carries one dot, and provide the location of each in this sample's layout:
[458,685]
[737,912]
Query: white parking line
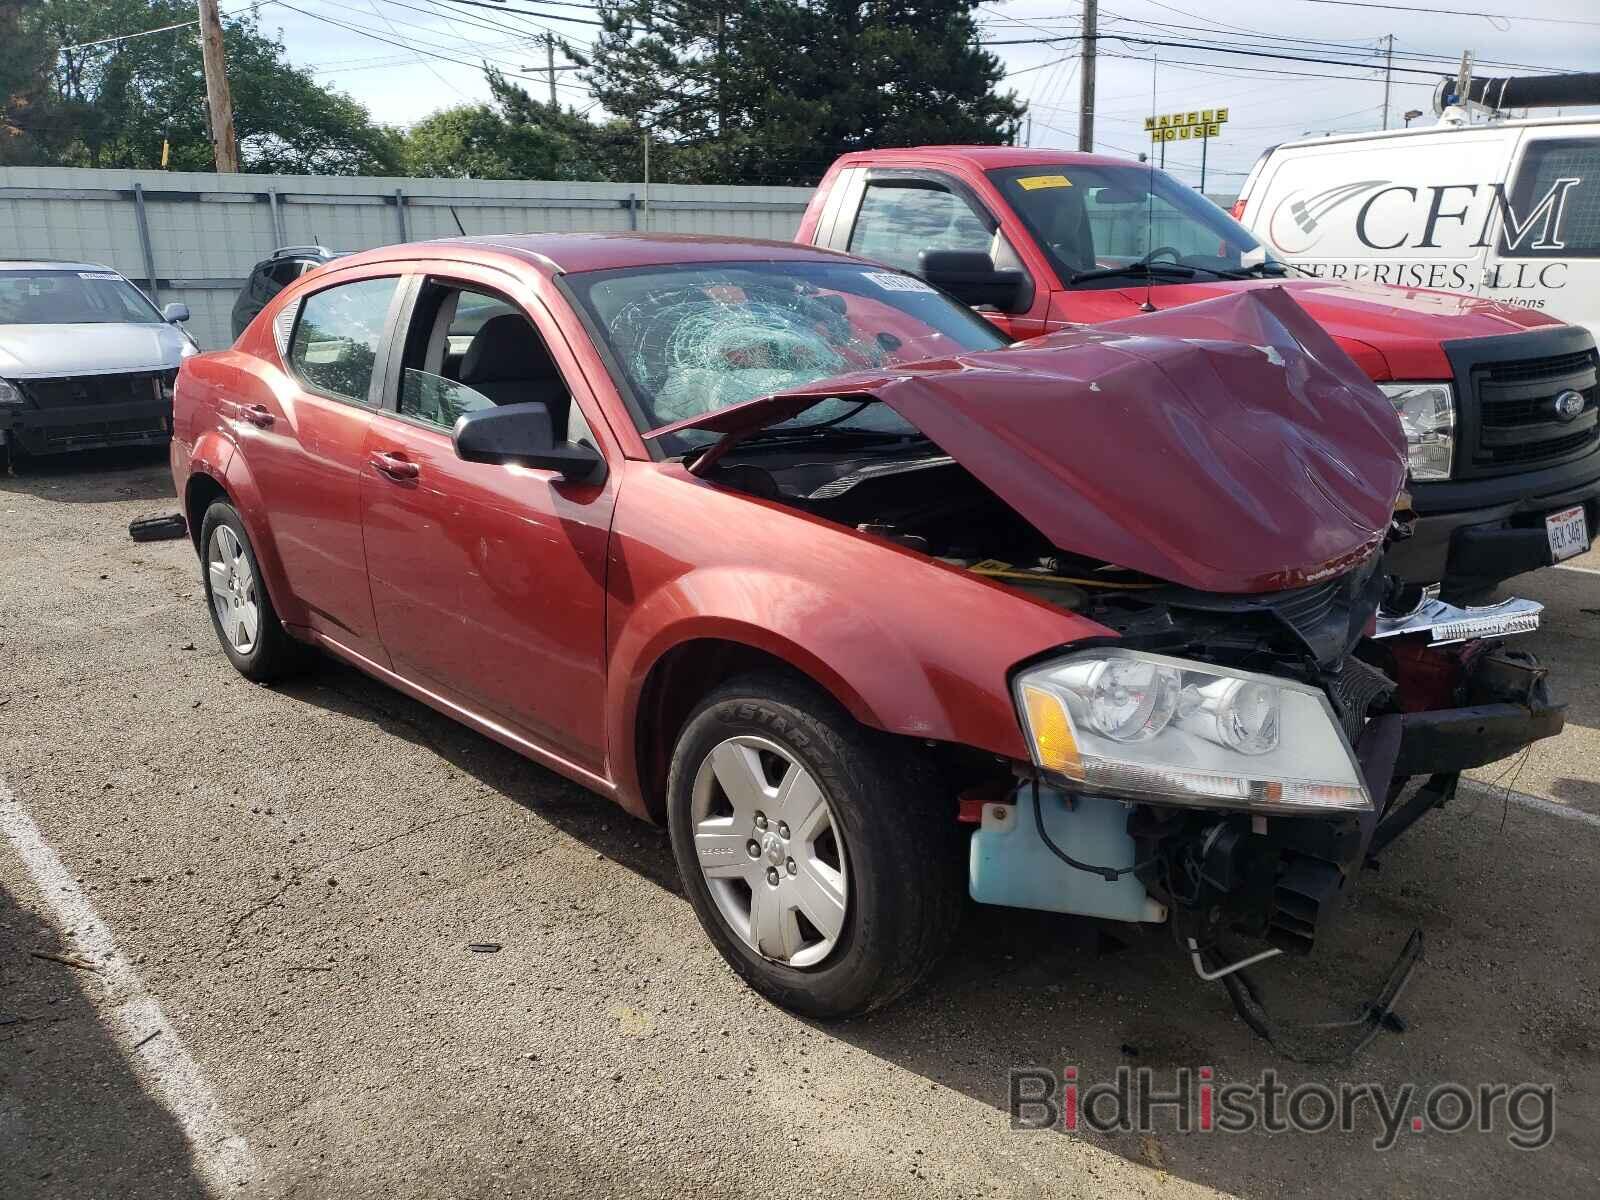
[221,1158]
[1580,570]
[1537,803]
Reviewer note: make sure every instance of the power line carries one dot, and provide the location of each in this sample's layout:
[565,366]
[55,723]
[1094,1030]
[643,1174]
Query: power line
[1455,12]
[432,70]
[128,37]
[530,12]
[435,51]
[1214,48]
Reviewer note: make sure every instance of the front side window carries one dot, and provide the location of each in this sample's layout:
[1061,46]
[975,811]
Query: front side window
[72,298]
[469,349]
[900,219]
[336,338]
[692,339]
[1555,217]
[1091,217]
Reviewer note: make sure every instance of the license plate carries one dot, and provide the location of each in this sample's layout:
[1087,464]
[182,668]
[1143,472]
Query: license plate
[1568,531]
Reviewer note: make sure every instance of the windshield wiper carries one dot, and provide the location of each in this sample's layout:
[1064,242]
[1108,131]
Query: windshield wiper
[1273,268]
[1136,269]
[813,434]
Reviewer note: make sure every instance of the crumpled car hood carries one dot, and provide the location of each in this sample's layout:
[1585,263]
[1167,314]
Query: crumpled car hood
[1227,446]
[51,351]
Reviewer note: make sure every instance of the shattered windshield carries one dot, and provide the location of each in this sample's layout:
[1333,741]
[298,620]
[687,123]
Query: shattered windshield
[695,338]
[72,298]
[1096,216]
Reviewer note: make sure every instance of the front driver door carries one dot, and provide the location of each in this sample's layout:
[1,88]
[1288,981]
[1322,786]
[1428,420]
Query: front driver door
[488,581]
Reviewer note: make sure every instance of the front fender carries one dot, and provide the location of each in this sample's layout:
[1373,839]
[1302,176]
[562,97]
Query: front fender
[880,661]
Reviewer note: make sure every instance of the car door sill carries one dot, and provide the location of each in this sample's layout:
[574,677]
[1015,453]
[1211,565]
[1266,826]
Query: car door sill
[484,725]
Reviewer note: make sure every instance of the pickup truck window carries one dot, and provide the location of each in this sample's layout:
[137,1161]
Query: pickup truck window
[696,338]
[1093,216]
[1544,163]
[897,221]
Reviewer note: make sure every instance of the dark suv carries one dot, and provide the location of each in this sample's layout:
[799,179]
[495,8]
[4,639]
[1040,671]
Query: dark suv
[271,275]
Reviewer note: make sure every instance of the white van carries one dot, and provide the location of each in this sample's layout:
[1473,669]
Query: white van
[1504,209]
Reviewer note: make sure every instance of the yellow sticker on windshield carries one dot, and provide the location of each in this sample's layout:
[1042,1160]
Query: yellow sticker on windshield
[1032,183]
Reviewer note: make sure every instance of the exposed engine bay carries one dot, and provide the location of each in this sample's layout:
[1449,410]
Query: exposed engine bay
[1217,494]
[1407,706]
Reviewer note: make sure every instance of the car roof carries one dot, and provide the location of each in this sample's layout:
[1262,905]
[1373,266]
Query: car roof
[983,157]
[572,253]
[52,264]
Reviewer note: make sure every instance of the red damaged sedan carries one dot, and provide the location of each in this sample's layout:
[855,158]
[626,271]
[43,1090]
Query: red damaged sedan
[796,555]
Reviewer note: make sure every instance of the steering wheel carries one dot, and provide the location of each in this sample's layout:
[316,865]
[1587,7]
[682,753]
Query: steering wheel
[1172,251]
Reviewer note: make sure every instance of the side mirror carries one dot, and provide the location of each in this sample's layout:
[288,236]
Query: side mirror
[173,314]
[521,434]
[971,277]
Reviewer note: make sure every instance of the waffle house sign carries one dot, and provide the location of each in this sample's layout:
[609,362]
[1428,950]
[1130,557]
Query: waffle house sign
[1183,126]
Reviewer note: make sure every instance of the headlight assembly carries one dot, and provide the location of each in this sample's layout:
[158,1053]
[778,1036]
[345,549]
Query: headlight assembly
[1170,731]
[1428,414]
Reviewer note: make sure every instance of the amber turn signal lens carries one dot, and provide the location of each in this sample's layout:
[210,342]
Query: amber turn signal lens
[1057,749]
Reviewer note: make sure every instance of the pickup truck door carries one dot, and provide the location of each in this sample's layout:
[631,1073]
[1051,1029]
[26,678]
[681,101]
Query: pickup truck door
[1549,256]
[891,215]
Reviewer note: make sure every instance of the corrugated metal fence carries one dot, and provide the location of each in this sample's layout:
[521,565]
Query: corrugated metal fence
[193,237]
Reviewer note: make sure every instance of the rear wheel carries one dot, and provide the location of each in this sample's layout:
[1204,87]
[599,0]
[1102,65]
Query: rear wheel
[241,611]
[814,852]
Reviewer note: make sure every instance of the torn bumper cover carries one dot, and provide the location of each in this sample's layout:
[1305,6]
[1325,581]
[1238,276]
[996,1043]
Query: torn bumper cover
[1273,876]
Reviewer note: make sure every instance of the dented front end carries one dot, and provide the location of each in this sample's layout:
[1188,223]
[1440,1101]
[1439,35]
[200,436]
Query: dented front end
[1262,844]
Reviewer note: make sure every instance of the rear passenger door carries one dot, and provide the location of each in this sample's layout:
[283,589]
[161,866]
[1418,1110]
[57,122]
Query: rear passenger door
[306,450]
[488,580]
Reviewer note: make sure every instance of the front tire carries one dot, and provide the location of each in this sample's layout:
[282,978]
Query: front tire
[816,853]
[241,611]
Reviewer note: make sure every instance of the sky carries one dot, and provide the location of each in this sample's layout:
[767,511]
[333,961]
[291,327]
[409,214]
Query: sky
[406,58]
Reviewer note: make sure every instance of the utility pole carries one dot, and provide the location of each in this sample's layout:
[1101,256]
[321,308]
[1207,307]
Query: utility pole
[1388,72]
[217,98]
[550,64]
[1091,11]
[644,221]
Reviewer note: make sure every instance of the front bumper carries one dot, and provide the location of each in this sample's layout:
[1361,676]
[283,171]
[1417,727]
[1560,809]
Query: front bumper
[1470,536]
[89,427]
[1278,878]
[87,412]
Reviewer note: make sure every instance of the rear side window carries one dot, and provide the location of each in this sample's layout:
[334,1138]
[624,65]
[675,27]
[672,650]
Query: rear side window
[896,224]
[335,345]
[1550,206]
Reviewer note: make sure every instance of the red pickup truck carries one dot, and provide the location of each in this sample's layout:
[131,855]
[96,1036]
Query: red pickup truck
[1501,405]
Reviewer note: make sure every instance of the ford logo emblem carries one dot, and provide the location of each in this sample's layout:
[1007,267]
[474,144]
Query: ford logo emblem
[1568,405]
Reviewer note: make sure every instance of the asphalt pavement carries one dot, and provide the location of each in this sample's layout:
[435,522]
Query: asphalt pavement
[318,941]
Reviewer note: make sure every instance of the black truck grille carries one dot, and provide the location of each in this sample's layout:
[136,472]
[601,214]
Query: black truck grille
[1518,424]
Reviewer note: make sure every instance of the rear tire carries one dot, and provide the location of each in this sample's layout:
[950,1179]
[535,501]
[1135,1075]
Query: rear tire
[246,624]
[854,889]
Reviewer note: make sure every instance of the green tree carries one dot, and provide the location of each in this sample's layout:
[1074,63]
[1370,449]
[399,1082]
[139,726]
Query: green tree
[515,137]
[25,53]
[773,90]
[115,103]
